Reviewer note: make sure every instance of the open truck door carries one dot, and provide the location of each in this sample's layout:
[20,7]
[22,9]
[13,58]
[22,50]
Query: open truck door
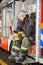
[34,6]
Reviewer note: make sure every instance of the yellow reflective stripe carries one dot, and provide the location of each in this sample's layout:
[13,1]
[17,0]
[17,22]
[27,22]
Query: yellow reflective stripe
[20,32]
[15,47]
[16,38]
[31,38]
[24,48]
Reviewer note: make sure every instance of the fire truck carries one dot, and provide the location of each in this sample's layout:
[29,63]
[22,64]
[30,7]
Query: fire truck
[9,21]
[10,10]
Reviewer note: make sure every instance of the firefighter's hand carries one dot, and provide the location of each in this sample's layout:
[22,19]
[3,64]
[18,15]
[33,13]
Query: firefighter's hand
[14,35]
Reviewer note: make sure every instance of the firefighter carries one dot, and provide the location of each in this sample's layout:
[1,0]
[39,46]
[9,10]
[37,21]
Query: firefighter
[26,25]
[20,46]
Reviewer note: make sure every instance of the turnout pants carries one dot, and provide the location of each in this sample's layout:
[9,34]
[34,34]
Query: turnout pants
[20,47]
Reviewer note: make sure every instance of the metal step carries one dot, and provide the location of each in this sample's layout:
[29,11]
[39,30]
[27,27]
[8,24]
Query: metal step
[27,61]
[41,60]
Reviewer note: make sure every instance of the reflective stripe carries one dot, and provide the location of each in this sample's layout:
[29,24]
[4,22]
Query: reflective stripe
[16,38]
[24,48]
[31,38]
[20,32]
[15,47]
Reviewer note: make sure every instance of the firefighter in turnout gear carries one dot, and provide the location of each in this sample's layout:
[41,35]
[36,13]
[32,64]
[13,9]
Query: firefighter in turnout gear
[24,33]
[22,37]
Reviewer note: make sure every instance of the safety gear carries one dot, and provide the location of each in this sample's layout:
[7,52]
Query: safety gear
[20,58]
[26,26]
[24,46]
[13,55]
[22,43]
[17,44]
[16,39]
[15,47]
[20,32]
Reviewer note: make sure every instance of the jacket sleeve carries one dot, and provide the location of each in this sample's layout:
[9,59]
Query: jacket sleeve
[19,27]
[29,30]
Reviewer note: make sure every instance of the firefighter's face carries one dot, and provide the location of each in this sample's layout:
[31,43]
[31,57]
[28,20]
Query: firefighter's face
[22,17]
